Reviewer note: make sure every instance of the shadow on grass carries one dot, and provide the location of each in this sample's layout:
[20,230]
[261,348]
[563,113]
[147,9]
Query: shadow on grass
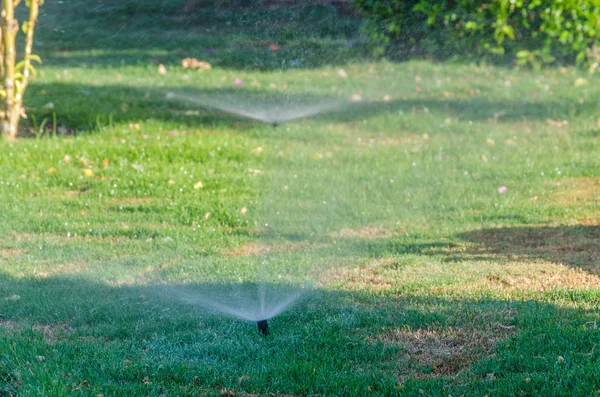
[573,246]
[61,333]
[86,107]
[228,34]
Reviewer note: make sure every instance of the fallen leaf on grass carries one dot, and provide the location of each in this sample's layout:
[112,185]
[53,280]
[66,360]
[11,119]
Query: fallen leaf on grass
[87,172]
[162,69]
[243,211]
[198,185]
[193,63]
[51,171]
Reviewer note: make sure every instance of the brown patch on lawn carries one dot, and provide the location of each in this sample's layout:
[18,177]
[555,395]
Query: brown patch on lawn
[265,248]
[572,246]
[130,200]
[61,268]
[53,333]
[371,277]
[577,191]
[530,276]
[589,221]
[7,253]
[444,351]
[368,232]
[9,325]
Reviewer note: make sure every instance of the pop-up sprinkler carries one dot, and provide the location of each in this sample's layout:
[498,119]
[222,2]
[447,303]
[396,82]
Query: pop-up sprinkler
[263,327]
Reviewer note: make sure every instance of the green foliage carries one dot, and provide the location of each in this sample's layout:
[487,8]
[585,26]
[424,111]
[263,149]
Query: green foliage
[531,31]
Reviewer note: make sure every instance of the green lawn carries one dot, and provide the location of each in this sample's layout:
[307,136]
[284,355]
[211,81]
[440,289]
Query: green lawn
[424,278]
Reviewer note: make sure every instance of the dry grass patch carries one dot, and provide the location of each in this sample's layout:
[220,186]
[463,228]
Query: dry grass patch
[9,325]
[61,268]
[577,191]
[375,276]
[367,232]
[53,333]
[532,277]
[427,353]
[265,248]
[7,253]
[130,200]
[572,246]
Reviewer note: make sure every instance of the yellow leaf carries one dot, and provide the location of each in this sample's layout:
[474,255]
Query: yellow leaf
[193,63]
[580,82]
[87,172]
[198,185]
[51,171]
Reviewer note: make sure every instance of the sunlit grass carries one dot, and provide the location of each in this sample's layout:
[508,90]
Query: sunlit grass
[447,221]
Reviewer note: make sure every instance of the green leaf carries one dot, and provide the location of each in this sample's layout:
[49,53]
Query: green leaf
[36,58]
[509,31]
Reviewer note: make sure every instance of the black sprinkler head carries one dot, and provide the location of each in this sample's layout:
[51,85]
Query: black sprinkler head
[263,327]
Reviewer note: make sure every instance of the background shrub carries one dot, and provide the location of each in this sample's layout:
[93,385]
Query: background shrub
[530,31]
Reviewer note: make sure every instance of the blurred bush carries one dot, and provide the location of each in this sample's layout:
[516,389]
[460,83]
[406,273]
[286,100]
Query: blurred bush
[534,32]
